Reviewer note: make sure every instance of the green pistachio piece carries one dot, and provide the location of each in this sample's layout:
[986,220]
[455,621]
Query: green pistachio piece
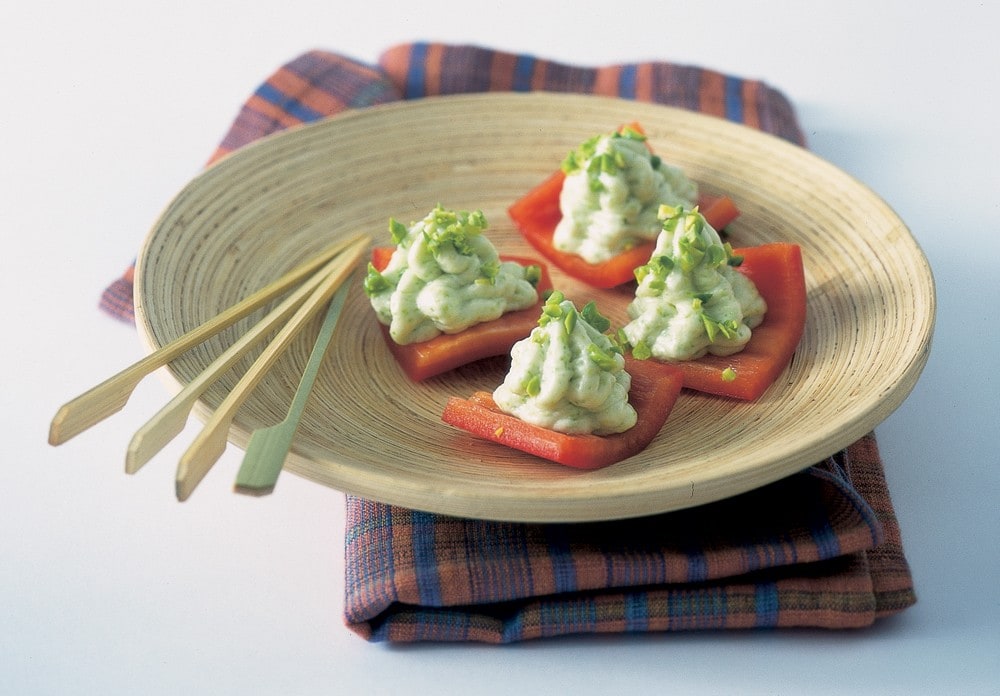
[455,229]
[533,386]
[375,282]
[397,231]
[569,321]
[601,358]
[533,274]
[594,317]
[641,351]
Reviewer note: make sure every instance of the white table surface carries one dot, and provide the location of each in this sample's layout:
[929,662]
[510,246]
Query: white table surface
[109,585]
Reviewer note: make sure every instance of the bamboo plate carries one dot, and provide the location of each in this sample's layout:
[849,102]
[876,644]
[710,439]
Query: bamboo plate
[370,432]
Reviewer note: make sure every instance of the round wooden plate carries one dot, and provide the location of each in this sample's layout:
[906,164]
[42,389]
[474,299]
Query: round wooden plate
[368,431]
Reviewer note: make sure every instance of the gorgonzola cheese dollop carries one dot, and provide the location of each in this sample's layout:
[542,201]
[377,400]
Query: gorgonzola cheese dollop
[690,301]
[612,191]
[445,276]
[568,375]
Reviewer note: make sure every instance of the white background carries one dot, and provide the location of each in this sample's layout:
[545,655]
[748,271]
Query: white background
[109,585]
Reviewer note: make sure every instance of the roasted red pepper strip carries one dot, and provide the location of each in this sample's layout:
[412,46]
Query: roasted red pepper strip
[448,351]
[776,270]
[537,213]
[653,393]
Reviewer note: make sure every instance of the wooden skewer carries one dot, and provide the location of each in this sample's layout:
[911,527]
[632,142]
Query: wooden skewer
[170,420]
[268,447]
[111,395]
[210,443]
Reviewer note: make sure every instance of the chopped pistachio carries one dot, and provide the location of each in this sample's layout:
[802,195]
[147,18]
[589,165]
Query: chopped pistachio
[594,317]
[667,212]
[490,270]
[717,256]
[552,308]
[714,328]
[603,359]
[731,258]
[533,386]
[641,351]
[455,229]
[375,282]
[620,341]
[583,152]
[641,272]
[692,251]
[397,231]
[533,274]
[570,321]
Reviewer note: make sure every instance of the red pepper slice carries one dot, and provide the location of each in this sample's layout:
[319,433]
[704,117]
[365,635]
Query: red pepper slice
[653,393]
[445,352]
[776,270]
[537,213]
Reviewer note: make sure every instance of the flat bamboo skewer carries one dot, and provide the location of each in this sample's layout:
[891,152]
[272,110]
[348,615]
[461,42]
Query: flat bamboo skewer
[268,447]
[111,395]
[210,443]
[170,420]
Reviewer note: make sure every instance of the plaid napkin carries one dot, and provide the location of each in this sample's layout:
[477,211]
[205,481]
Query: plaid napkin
[821,548]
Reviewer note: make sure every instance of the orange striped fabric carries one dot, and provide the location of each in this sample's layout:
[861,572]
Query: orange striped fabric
[818,549]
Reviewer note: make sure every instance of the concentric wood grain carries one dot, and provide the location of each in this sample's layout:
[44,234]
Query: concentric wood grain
[369,431]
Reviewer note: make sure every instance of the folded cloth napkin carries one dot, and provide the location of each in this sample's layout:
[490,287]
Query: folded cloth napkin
[821,548]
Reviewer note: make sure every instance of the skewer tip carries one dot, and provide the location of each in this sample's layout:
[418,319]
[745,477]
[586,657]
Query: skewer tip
[258,492]
[56,435]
